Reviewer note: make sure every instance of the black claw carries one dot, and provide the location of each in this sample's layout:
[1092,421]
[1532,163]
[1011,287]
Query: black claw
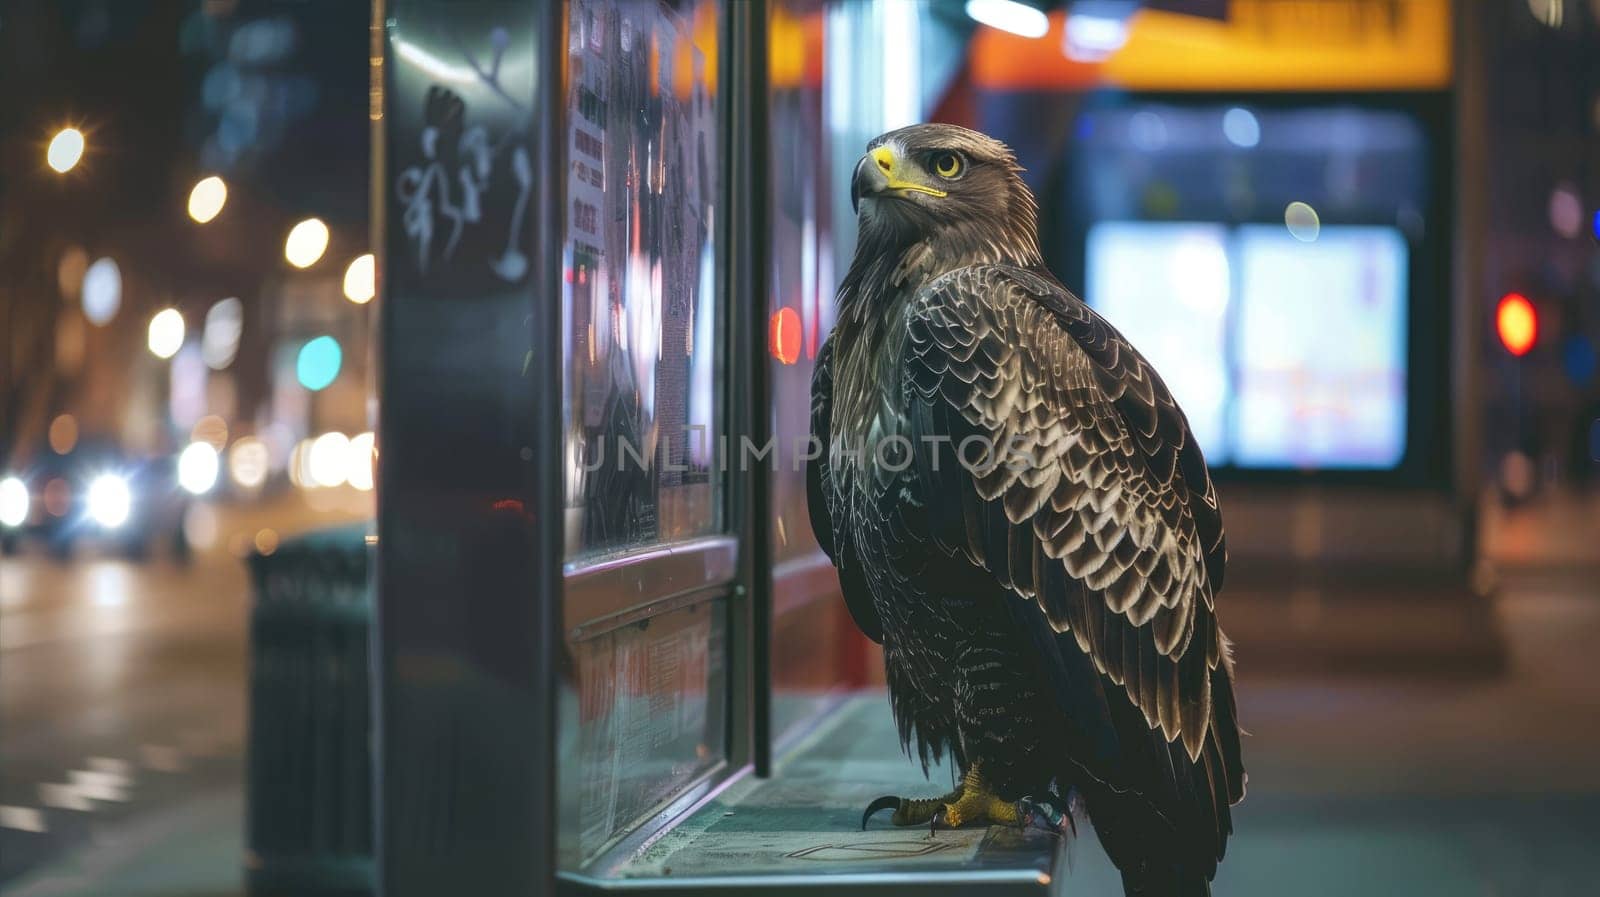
[882,803]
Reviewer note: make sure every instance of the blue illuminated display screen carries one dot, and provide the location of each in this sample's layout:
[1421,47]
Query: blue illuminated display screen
[1283,353]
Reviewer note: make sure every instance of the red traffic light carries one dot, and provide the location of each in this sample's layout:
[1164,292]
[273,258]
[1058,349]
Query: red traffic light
[1517,323]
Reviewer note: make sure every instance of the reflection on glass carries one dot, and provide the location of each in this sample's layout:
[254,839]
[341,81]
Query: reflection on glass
[800,291]
[650,717]
[638,299]
[815,647]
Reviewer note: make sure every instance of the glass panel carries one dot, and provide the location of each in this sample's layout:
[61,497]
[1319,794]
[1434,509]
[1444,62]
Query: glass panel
[651,717]
[800,291]
[642,404]
[807,634]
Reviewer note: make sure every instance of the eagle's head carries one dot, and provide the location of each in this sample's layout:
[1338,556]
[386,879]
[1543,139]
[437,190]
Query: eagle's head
[959,191]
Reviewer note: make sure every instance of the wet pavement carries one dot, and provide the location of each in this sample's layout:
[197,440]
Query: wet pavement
[122,711]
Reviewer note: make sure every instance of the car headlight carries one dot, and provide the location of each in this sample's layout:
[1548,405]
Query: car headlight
[13,502]
[197,468]
[110,500]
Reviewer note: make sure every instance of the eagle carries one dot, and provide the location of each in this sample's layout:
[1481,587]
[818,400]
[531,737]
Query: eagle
[1020,516]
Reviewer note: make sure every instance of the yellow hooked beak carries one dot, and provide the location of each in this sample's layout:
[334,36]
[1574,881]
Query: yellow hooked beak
[893,169]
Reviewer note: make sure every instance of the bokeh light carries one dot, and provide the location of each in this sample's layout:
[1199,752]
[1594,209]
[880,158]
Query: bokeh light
[306,243]
[110,500]
[1239,125]
[166,333]
[360,279]
[1009,15]
[783,335]
[328,459]
[1517,323]
[266,540]
[70,270]
[66,148]
[1302,221]
[13,501]
[211,430]
[63,433]
[360,462]
[102,291]
[318,363]
[1566,211]
[207,199]
[219,340]
[248,462]
[197,468]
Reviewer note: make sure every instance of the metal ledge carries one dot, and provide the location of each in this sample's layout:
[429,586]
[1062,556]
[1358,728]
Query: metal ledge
[614,591]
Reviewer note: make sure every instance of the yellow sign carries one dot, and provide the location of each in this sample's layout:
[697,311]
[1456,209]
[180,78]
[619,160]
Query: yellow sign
[1265,45]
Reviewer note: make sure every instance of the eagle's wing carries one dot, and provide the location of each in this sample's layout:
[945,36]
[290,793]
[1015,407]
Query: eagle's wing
[1095,502]
[828,519]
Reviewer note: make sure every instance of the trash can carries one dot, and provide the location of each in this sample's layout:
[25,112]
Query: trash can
[309,789]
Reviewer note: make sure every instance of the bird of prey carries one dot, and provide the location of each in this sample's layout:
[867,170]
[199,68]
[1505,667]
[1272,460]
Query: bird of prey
[1020,515]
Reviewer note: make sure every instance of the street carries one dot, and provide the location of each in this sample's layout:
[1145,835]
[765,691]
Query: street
[122,696]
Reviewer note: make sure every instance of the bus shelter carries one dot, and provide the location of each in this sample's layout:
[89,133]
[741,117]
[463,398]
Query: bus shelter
[609,653]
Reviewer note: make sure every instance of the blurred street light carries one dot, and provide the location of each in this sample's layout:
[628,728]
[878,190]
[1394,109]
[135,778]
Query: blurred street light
[1241,128]
[110,500]
[197,468]
[13,502]
[219,340]
[248,462]
[207,199]
[166,333]
[1517,323]
[102,291]
[1097,29]
[327,460]
[360,279]
[66,148]
[359,473]
[1010,15]
[318,363]
[306,243]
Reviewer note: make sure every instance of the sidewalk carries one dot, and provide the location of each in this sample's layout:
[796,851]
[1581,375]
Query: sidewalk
[194,849]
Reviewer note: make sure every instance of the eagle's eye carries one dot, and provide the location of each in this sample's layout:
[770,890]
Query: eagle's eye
[947,165]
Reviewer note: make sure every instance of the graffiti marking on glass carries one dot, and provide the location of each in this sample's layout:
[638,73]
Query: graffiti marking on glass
[448,190]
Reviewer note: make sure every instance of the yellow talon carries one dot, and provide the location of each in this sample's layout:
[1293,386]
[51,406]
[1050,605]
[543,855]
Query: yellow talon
[971,803]
[979,805]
